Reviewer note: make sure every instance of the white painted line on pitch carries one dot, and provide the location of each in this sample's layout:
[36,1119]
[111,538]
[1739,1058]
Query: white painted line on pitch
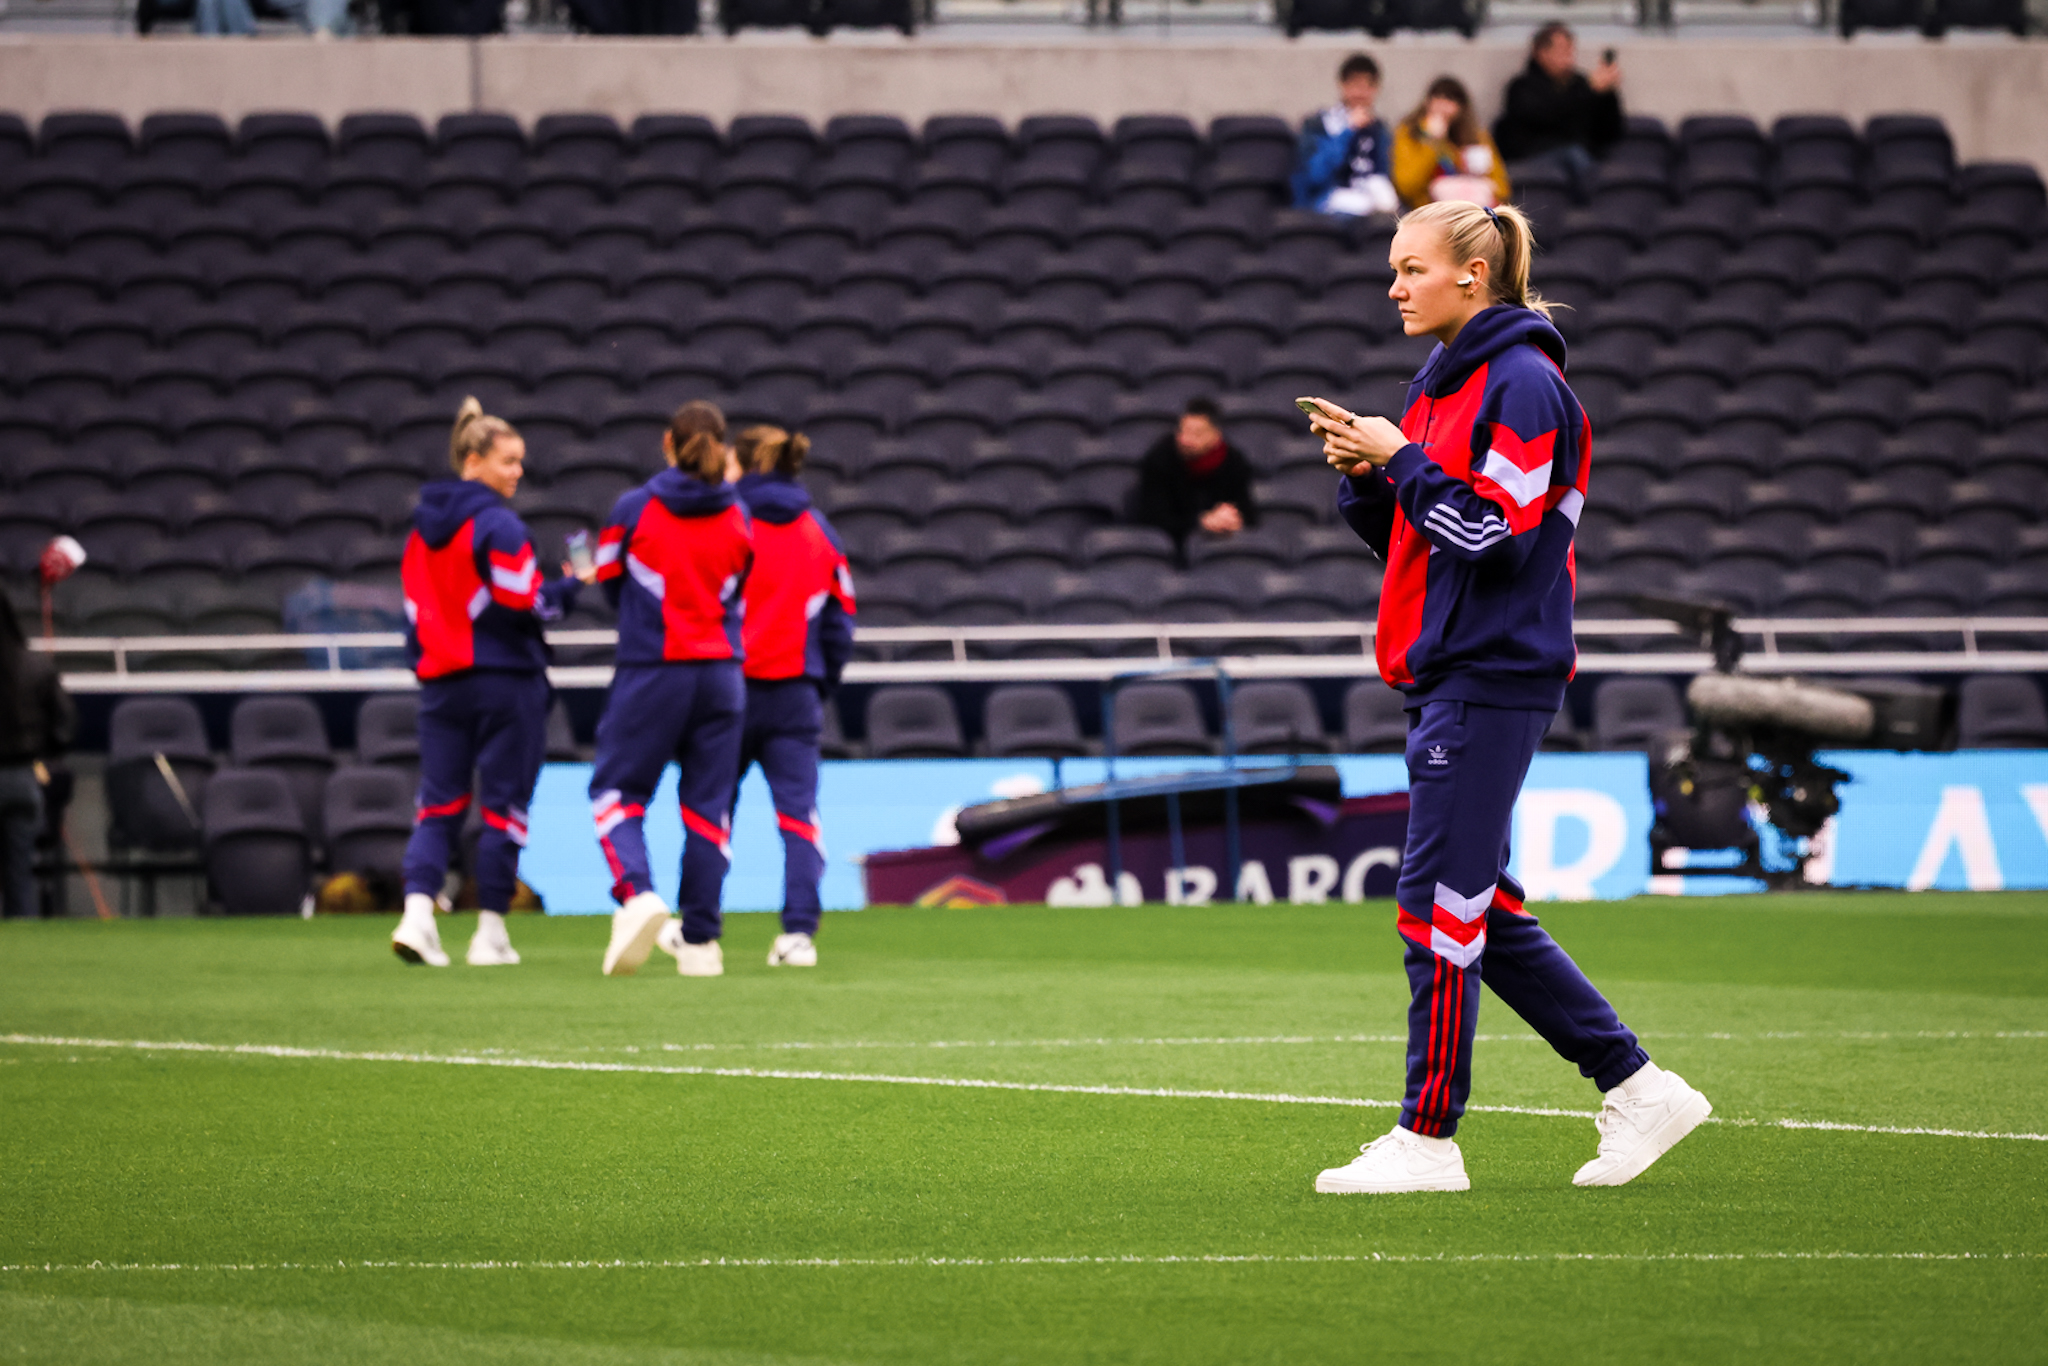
[1226,1041]
[893,1079]
[1168,1259]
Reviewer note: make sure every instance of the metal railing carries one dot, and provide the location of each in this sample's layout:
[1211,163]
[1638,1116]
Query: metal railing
[1604,648]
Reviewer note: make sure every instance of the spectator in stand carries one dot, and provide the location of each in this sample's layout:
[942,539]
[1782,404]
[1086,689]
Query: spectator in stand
[1193,480]
[1343,162]
[1556,112]
[35,726]
[322,18]
[1441,152]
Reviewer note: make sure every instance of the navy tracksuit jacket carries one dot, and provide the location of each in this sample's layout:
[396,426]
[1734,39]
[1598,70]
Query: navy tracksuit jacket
[1474,518]
[474,604]
[673,559]
[799,635]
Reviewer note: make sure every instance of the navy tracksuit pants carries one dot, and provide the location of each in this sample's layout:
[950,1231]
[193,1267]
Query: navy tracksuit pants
[690,712]
[784,720]
[1463,921]
[492,725]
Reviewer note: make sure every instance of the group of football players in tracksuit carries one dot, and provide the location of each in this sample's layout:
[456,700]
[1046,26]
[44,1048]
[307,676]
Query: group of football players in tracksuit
[735,607]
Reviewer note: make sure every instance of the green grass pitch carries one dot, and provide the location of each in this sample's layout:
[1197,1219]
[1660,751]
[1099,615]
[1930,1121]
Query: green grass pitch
[354,1194]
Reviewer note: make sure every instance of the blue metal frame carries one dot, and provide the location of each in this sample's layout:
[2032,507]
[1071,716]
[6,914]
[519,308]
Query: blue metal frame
[1230,780]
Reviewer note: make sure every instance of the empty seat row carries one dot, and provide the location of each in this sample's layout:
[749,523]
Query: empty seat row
[1283,717]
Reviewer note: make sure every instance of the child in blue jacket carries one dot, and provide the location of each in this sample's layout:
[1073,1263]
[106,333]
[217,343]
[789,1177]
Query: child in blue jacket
[1344,160]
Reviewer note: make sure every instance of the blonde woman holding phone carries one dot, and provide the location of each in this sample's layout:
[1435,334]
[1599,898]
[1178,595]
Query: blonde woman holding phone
[1472,500]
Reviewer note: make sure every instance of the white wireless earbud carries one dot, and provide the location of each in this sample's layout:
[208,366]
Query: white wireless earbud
[1466,281]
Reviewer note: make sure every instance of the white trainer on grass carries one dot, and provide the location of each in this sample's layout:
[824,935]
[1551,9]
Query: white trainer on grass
[1397,1162]
[797,950]
[692,960]
[1641,1120]
[416,939]
[490,946]
[634,926]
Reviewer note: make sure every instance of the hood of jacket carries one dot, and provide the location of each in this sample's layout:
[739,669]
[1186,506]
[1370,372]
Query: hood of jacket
[686,495]
[1490,333]
[445,504]
[774,498]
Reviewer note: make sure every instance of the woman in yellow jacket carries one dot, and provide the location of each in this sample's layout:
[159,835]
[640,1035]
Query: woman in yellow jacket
[1442,152]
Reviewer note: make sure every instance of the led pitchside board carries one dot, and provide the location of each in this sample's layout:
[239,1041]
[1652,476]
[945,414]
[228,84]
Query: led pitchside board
[1968,820]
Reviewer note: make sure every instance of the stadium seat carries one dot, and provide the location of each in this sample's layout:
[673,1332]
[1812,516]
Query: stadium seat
[2000,711]
[1159,718]
[368,817]
[388,730]
[1375,719]
[158,764]
[258,858]
[1276,717]
[1032,719]
[1628,713]
[913,722]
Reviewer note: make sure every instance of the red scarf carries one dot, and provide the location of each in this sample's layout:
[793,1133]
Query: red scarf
[1207,463]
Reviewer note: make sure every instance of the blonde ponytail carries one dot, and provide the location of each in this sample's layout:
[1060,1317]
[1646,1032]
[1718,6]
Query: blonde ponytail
[475,432]
[771,450]
[1502,237]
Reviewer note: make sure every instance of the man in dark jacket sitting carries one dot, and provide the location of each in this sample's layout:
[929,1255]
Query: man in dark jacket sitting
[1556,112]
[1193,480]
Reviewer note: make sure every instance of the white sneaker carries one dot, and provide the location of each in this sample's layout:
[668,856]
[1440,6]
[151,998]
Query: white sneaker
[634,926]
[1641,1120]
[692,960]
[1399,1161]
[416,939]
[490,946]
[797,950]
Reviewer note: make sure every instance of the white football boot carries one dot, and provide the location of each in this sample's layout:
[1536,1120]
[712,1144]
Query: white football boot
[634,926]
[1399,1161]
[416,939]
[797,950]
[490,946]
[692,960]
[1641,1120]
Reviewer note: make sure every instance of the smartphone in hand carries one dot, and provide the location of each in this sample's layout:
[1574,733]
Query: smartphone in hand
[581,560]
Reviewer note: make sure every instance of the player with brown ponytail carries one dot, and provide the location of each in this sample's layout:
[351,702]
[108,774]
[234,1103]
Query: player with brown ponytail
[673,559]
[799,635]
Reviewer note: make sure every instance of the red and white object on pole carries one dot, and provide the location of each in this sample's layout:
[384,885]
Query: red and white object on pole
[60,560]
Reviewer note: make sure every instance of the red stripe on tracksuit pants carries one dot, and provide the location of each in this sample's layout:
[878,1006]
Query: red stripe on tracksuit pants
[1465,767]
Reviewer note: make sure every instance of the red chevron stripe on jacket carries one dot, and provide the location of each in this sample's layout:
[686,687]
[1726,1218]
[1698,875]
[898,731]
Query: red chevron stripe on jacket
[474,596]
[800,604]
[1475,517]
[674,560]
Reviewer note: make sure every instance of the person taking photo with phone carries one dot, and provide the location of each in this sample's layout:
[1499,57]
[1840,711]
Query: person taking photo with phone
[474,604]
[1555,112]
[1472,501]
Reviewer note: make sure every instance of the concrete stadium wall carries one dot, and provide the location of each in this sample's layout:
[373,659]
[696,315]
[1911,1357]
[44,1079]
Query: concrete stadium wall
[1988,92]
